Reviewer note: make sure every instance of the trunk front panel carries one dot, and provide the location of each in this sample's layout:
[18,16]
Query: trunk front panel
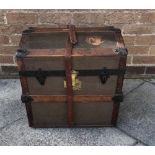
[99,113]
[90,85]
[49,114]
[85,114]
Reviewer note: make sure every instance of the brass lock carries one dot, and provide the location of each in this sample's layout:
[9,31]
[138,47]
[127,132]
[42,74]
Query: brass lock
[76,83]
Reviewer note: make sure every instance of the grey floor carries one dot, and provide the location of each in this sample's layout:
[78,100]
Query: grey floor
[136,122]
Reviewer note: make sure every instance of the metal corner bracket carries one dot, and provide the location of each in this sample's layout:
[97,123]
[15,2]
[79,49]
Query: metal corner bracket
[26,99]
[30,30]
[118,98]
[121,51]
[21,53]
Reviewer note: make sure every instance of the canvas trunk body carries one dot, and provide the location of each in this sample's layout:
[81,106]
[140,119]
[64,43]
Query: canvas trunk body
[72,77]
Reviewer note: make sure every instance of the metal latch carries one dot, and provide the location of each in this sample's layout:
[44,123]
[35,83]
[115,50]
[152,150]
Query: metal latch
[76,83]
[104,75]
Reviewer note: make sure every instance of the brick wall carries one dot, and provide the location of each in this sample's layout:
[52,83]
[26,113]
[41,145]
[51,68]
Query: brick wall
[138,29]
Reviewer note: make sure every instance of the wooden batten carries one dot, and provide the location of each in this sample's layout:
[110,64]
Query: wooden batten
[77,98]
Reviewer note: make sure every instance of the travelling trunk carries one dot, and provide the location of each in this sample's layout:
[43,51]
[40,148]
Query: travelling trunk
[71,77]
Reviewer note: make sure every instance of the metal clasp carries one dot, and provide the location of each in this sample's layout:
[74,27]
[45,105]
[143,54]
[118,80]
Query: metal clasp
[40,76]
[104,75]
[76,83]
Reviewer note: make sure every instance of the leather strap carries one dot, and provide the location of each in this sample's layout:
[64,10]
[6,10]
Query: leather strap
[72,34]
[59,73]
[68,71]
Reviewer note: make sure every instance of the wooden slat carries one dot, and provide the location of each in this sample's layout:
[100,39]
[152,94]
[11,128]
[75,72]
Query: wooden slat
[81,29]
[79,52]
[23,79]
[120,78]
[25,90]
[77,98]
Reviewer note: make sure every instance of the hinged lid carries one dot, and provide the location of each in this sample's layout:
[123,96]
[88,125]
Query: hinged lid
[88,41]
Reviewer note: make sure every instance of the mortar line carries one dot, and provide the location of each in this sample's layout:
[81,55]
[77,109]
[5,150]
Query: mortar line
[153,83]
[11,123]
[4,141]
[137,140]
[134,88]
